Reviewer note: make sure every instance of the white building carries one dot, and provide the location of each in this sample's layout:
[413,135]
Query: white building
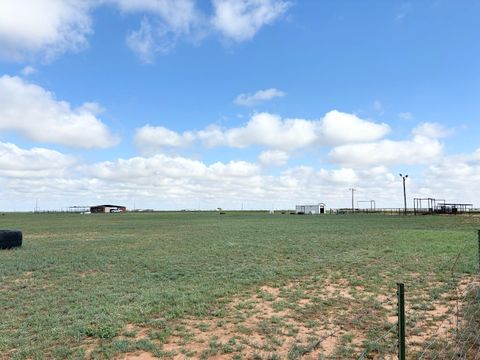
[310,209]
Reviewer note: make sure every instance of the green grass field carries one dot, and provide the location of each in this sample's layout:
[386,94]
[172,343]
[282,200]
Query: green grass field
[240,285]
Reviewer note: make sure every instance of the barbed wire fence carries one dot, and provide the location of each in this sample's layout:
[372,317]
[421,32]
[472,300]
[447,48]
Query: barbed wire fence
[457,336]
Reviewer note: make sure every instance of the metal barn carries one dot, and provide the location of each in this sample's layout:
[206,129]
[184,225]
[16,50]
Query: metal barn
[310,209]
[107,209]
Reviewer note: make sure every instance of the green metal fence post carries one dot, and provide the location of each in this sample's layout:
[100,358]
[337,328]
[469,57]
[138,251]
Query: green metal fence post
[401,321]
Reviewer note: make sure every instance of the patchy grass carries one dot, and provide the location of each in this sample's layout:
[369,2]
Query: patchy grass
[200,285]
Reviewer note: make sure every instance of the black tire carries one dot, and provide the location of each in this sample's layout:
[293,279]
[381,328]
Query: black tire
[10,239]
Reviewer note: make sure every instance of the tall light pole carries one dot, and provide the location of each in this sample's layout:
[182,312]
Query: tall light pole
[353,206]
[404,193]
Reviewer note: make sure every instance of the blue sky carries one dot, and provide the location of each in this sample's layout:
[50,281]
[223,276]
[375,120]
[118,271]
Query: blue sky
[172,104]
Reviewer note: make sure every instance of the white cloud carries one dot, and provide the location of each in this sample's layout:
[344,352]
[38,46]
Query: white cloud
[457,168]
[169,21]
[178,182]
[33,112]
[159,169]
[240,20]
[33,163]
[273,132]
[183,181]
[263,129]
[419,150]
[273,158]
[178,15]
[173,182]
[233,169]
[341,128]
[455,178]
[28,70]
[258,97]
[146,42]
[306,184]
[431,130]
[152,138]
[339,176]
[142,42]
[45,28]
[138,168]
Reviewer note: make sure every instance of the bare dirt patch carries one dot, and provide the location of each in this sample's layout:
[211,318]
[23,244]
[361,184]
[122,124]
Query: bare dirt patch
[137,356]
[439,322]
[136,332]
[273,322]
[89,350]
[329,318]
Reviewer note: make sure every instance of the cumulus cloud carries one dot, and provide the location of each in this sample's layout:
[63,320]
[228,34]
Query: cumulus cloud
[169,21]
[153,138]
[306,184]
[178,15]
[168,166]
[423,148]
[263,129]
[419,150]
[240,20]
[33,112]
[175,182]
[258,97]
[33,163]
[340,128]
[44,28]
[273,158]
[456,169]
[273,132]
[178,180]
[290,134]
[339,176]
[431,130]
[47,28]
[455,178]
[143,42]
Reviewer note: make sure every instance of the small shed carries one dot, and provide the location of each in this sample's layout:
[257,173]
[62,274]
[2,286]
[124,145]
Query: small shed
[107,209]
[310,209]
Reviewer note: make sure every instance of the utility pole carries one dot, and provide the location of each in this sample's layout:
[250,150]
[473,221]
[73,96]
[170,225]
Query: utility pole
[404,177]
[353,191]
